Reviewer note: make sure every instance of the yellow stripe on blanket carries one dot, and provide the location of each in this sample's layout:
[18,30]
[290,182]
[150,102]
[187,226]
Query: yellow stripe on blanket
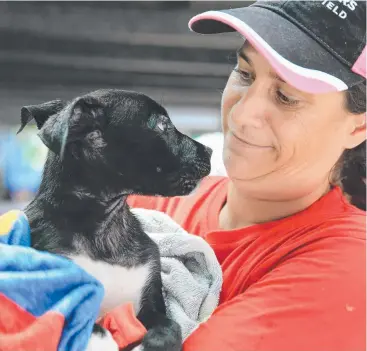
[7,221]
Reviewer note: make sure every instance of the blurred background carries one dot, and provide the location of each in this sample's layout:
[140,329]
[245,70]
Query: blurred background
[62,49]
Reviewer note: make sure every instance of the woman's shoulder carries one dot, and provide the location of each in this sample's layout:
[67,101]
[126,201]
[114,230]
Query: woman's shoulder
[331,215]
[346,220]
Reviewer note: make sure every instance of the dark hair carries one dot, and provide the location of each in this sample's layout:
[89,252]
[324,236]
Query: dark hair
[352,167]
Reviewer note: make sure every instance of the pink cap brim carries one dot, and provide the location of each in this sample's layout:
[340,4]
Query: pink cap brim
[304,79]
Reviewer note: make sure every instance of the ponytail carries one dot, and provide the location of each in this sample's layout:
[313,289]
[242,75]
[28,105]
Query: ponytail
[353,175]
[353,161]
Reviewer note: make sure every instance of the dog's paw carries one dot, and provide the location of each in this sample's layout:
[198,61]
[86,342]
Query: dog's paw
[101,340]
[157,344]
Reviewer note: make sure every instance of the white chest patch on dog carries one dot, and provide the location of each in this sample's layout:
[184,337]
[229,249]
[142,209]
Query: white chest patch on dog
[121,284]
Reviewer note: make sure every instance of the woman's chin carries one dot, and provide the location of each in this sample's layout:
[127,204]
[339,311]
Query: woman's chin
[234,172]
[240,168]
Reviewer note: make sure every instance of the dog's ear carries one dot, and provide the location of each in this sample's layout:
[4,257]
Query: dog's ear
[40,113]
[74,122]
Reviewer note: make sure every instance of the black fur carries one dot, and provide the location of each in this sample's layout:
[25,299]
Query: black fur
[105,146]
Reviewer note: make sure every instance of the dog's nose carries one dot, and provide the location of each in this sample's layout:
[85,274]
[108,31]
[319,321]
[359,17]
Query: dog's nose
[209,150]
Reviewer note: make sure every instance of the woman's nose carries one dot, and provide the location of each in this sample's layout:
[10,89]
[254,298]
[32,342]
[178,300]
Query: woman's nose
[249,112]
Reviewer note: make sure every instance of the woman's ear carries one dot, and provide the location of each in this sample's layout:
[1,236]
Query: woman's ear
[357,131]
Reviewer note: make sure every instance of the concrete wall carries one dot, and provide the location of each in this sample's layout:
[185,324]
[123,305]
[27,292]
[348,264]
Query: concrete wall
[62,49]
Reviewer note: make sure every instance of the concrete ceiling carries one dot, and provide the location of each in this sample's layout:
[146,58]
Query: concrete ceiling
[62,49]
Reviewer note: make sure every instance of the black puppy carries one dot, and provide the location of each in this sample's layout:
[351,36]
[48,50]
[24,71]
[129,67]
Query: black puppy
[103,147]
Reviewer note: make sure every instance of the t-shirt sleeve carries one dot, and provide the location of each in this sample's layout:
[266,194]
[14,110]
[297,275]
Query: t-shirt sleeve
[313,301]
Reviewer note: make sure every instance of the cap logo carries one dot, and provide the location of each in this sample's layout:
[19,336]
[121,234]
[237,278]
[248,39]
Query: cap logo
[334,6]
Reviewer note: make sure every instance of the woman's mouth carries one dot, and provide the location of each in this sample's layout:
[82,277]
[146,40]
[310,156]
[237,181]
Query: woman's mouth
[247,143]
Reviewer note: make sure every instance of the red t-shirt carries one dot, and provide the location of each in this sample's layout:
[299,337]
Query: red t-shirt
[298,283]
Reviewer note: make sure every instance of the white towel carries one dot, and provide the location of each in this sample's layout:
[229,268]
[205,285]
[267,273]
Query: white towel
[191,274]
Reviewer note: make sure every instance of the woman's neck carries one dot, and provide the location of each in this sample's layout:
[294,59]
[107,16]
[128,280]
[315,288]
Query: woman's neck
[243,211]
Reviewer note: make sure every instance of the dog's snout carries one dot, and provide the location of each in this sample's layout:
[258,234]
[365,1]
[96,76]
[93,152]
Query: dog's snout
[209,151]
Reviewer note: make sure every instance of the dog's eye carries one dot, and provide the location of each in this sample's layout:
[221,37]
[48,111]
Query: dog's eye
[161,122]
[162,125]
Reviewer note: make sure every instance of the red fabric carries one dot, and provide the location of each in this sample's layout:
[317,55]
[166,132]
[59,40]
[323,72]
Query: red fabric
[21,331]
[123,325]
[295,284]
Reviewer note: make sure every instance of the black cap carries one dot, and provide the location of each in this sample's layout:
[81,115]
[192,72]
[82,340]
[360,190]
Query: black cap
[316,46]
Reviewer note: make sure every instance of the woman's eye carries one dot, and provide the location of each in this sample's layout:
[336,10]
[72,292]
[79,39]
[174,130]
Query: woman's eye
[286,100]
[245,76]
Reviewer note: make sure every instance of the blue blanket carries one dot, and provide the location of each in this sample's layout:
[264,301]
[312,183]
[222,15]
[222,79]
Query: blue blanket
[46,301]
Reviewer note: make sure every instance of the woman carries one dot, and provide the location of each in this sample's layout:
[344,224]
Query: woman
[291,246]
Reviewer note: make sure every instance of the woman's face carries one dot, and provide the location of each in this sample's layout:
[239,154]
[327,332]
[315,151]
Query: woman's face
[279,141]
